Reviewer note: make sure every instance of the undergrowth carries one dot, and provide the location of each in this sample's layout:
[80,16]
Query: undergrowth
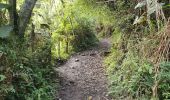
[26,75]
[138,66]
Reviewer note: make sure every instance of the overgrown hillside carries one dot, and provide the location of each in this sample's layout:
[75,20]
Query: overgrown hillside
[139,68]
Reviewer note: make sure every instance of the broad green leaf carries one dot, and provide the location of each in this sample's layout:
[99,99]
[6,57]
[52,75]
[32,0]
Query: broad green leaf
[140,69]
[150,70]
[2,6]
[5,31]
[2,77]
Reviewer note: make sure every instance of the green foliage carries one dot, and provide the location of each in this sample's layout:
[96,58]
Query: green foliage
[164,77]
[74,31]
[5,31]
[3,6]
[26,75]
[65,27]
[84,36]
[2,77]
[132,70]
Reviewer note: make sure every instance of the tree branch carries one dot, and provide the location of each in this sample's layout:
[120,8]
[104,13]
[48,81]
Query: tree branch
[106,1]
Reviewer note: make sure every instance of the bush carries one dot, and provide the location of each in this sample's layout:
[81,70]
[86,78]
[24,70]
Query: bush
[84,36]
[69,39]
[26,75]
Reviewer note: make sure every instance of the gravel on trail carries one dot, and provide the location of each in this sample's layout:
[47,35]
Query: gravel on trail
[83,76]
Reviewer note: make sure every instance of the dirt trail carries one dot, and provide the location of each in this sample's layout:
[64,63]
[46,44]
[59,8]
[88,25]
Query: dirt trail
[83,76]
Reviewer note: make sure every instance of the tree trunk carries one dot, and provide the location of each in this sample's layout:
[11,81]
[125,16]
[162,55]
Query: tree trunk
[67,45]
[13,15]
[59,49]
[25,15]
[32,37]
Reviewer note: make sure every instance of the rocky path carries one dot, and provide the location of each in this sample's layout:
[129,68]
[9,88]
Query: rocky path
[83,76]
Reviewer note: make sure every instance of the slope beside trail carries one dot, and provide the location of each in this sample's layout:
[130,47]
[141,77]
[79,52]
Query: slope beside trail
[83,76]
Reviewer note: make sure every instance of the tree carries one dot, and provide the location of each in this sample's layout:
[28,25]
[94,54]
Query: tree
[21,20]
[25,15]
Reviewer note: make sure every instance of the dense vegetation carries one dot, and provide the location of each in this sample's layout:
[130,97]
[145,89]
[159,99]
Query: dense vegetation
[139,68]
[37,35]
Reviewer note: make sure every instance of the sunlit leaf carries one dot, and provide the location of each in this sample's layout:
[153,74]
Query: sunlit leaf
[140,69]
[150,70]
[139,20]
[5,31]
[2,77]
[1,54]
[140,4]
